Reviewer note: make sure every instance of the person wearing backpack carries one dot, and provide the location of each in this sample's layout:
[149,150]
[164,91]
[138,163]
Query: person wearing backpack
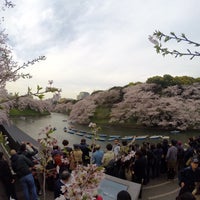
[108,158]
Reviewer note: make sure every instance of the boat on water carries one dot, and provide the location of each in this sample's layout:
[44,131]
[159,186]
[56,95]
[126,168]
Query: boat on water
[142,137]
[153,137]
[81,131]
[64,120]
[114,136]
[65,129]
[175,131]
[88,136]
[102,135]
[127,138]
[165,137]
[75,130]
[100,139]
[79,134]
[111,139]
[70,132]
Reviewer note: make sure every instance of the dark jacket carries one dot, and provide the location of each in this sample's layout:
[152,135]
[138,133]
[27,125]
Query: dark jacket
[20,165]
[57,188]
[29,154]
[139,168]
[189,177]
[5,172]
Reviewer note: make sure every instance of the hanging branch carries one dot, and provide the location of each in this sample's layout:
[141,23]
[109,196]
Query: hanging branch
[158,38]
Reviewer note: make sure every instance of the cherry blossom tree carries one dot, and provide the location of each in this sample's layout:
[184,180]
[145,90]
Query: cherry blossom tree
[145,105]
[11,71]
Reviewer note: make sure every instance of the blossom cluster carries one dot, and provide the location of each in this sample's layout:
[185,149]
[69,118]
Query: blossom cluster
[84,183]
[145,105]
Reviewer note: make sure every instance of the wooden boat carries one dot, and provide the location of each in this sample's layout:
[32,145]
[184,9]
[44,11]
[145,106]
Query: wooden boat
[114,136]
[111,139]
[100,139]
[142,137]
[88,136]
[72,129]
[102,135]
[127,138]
[82,132]
[155,137]
[175,131]
[79,133]
[70,132]
[165,137]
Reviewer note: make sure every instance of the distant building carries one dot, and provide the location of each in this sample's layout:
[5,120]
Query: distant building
[82,95]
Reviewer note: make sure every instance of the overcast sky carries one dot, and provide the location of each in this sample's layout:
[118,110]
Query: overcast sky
[97,44]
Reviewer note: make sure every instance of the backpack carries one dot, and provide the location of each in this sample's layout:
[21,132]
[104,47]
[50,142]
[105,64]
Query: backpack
[109,169]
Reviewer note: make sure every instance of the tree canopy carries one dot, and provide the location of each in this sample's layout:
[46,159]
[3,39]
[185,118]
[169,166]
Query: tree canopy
[168,80]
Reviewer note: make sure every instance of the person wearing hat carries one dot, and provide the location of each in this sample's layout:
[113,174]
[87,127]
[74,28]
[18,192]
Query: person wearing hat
[189,176]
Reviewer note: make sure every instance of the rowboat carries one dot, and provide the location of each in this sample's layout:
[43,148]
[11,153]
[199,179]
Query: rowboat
[175,131]
[127,138]
[165,137]
[79,133]
[88,136]
[102,135]
[155,137]
[114,136]
[111,139]
[100,138]
[142,137]
[82,131]
[70,132]
[74,130]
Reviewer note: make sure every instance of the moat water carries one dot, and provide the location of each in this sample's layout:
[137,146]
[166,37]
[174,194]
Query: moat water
[33,125]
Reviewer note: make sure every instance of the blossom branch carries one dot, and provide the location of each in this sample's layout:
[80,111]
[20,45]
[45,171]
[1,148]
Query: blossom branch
[158,37]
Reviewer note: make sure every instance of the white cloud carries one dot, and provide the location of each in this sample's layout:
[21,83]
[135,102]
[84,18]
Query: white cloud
[93,45]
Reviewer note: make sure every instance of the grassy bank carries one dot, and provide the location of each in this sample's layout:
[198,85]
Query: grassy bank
[27,112]
[101,115]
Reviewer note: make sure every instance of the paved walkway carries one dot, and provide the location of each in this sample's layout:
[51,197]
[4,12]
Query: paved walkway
[161,189]
[156,190]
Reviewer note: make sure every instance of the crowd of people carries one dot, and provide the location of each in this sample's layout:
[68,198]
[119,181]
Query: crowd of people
[129,161]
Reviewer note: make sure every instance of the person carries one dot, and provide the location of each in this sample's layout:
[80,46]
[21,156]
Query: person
[7,178]
[76,157]
[28,150]
[189,176]
[63,181]
[97,155]
[171,159]
[108,156]
[116,147]
[139,169]
[123,195]
[21,166]
[186,196]
[86,152]
[66,149]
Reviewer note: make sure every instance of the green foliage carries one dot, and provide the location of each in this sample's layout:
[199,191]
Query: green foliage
[101,115]
[168,80]
[26,112]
